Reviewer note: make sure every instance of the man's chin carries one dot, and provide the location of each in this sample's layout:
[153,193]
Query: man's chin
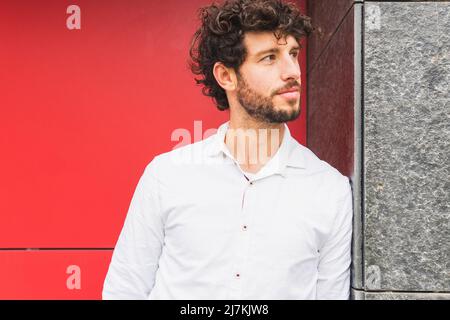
[283,116]
[289,112]
[279,113]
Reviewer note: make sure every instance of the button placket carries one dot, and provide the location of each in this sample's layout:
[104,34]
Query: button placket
[243,237]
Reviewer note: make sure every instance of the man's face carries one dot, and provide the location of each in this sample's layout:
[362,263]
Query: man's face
[271,66]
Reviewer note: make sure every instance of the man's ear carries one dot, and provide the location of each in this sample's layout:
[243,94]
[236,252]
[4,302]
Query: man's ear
[225,77]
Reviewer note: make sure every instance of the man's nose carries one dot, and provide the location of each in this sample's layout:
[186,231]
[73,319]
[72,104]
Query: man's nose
[290,69]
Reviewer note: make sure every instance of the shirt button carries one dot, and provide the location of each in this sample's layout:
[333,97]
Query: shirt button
[244,228]
[238,275]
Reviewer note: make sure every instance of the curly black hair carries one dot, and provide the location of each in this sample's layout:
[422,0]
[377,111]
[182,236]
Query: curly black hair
[220,36]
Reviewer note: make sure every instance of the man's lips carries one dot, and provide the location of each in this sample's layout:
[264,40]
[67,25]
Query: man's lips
[294,89]
[292,93]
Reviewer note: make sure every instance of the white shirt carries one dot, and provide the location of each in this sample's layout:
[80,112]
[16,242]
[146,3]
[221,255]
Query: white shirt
[196,228]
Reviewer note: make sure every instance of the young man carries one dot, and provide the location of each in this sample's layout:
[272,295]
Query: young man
[256,215]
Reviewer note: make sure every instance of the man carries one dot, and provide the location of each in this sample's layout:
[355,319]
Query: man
[254,215]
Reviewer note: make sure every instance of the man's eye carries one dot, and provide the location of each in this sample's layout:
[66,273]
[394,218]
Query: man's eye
[268,58]
[295,54]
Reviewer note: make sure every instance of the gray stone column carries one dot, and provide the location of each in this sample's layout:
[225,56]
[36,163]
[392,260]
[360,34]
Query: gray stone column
[386,67]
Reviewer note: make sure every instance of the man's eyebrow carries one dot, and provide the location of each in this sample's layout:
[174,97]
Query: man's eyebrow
[274,50]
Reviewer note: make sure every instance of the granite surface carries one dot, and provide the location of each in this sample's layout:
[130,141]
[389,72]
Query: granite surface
[361,295]
[406,296]
[406,148]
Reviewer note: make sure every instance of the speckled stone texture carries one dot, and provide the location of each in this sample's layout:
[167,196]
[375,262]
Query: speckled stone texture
[406,148]
[361,295]
[406,296]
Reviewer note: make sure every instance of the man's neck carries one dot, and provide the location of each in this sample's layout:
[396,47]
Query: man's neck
[253,143]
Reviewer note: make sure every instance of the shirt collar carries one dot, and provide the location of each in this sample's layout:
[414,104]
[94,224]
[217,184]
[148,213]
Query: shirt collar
[288,154]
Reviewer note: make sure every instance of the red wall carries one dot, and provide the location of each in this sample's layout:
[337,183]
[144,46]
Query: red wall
[81,114]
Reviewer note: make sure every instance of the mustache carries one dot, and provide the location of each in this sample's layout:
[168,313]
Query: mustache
[293,84]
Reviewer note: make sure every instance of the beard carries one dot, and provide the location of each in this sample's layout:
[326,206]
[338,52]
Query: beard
[262,108]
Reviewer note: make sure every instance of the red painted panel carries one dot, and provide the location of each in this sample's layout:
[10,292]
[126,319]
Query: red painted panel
[83,111]
[53,274]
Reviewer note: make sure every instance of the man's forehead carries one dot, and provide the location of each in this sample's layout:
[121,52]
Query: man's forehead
[259,41]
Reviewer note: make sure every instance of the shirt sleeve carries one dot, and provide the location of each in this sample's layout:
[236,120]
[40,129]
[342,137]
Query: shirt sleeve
[134,262]
[335,256]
